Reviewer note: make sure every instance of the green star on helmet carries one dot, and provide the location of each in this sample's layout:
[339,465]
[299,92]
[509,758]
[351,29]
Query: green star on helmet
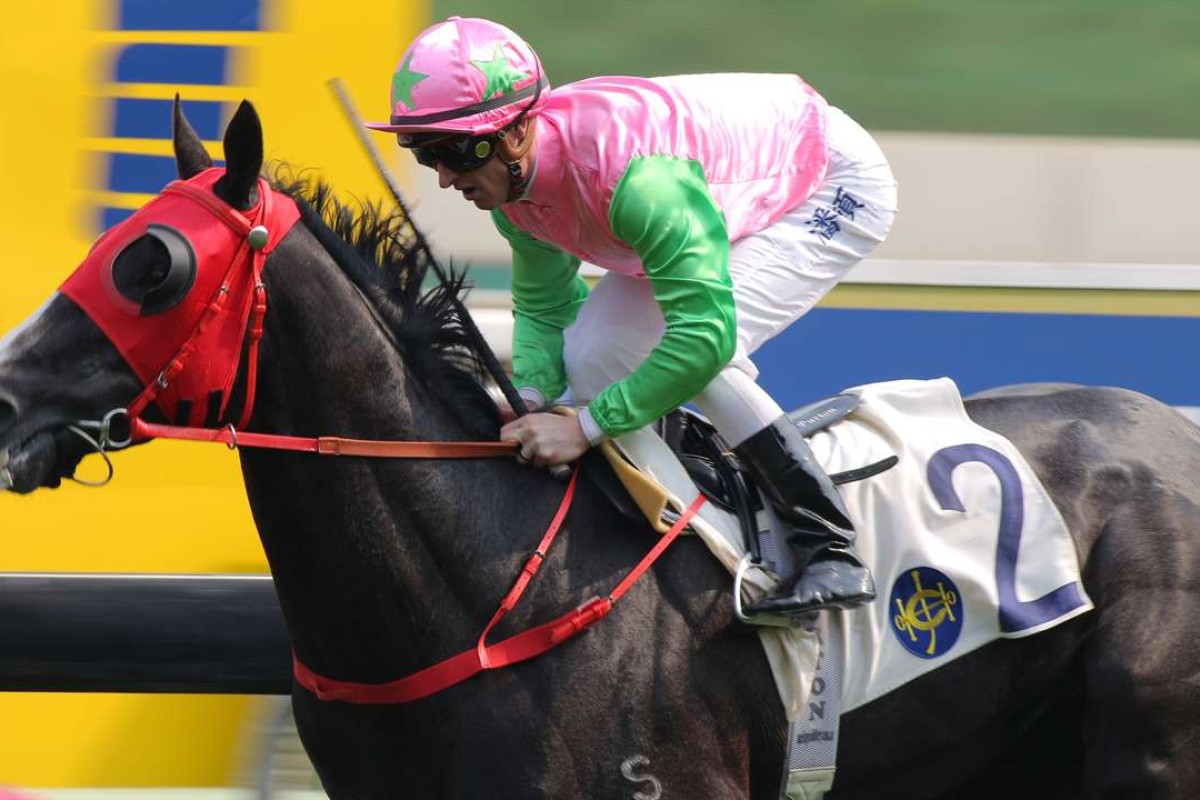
[501,76]
[403,82]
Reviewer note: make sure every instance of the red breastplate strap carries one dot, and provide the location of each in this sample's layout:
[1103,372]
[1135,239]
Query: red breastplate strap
[519,647]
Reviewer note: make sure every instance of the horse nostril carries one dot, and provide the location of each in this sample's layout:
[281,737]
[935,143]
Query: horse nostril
[8,414]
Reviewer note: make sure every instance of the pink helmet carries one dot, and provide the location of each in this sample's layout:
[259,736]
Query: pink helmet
[465,76]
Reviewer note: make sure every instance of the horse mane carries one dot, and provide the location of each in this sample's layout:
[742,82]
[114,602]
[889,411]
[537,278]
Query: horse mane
[388,260]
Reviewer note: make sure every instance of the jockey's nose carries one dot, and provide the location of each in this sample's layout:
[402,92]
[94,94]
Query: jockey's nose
[446,175]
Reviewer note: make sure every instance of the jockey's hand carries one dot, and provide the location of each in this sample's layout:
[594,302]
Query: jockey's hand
[546,440]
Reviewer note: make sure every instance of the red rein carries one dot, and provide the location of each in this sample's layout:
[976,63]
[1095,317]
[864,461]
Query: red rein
[141,431]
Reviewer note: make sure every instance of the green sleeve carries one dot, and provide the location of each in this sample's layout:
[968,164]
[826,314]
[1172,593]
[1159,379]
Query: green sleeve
[663,209]
[547,292]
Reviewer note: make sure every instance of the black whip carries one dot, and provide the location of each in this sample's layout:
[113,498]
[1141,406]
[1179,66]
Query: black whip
[490,362]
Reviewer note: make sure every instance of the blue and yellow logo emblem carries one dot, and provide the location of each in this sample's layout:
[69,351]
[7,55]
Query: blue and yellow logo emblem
[928,613]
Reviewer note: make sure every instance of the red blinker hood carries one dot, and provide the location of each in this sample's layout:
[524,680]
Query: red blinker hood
[187,350]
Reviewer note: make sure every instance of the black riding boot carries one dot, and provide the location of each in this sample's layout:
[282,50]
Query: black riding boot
[828,573]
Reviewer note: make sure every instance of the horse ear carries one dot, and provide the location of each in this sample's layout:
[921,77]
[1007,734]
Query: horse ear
[243,158]
[190,156]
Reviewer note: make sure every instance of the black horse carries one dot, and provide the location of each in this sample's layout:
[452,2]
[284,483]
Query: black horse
[384,567]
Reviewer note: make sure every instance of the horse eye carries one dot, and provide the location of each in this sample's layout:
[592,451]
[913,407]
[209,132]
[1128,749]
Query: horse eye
[156,270]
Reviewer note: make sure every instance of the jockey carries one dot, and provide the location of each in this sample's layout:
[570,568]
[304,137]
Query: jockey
[723,207]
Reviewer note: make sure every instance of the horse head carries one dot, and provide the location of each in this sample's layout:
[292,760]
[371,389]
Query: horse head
[98,344]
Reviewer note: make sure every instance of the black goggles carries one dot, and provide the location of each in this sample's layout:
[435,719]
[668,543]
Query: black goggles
[457,152]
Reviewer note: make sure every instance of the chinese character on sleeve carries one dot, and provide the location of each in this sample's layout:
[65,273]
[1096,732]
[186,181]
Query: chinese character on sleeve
[824,223]
[845,203]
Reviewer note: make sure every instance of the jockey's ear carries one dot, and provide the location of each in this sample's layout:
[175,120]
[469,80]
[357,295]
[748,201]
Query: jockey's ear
[518,140]
[521,129]
[243,158]
[190,156]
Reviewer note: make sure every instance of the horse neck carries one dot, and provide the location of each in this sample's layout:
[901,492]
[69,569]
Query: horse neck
[368,553]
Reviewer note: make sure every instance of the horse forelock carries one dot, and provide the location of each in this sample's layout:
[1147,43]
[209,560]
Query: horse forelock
[388,260]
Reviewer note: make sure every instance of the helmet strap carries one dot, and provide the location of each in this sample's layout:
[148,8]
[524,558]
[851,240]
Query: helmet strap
[512,154]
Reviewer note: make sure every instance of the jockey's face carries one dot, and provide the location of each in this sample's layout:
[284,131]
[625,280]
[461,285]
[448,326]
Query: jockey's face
[470,164]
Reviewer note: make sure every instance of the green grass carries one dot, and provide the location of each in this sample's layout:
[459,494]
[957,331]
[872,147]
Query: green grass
[1069,67]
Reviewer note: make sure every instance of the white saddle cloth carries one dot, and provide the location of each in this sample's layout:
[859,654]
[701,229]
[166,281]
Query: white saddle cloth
[963,540]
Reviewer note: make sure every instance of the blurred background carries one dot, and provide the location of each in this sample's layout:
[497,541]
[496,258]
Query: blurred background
[1046,154]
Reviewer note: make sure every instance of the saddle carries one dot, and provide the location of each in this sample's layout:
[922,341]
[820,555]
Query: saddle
[713,467]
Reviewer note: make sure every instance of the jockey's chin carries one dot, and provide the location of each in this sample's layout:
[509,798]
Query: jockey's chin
[484,201]
[484,194]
